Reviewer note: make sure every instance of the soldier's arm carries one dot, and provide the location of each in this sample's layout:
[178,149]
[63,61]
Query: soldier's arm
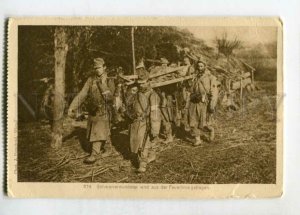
[106,92]
[191,70]
[79,98]
[155,115]
[189,84]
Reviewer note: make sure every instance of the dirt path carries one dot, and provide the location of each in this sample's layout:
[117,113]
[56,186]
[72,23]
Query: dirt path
[244,152]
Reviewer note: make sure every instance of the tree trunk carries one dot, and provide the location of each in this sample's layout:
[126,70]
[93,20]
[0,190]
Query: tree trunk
[60,53]
[133,51]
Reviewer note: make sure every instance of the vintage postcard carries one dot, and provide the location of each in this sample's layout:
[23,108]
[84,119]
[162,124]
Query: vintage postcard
[145,107]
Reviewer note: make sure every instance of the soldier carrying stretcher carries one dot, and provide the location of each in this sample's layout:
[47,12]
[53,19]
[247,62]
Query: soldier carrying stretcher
[143,109]
[166,107]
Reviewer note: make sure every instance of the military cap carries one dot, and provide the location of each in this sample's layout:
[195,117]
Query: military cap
[98,62]
[140,65]
[201,61]
[164,60]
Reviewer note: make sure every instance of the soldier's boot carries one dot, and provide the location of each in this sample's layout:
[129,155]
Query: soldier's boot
[106,153]
[126,163]
[156,140]
[107,149]
[142,167]
[187,127]
[96,149]
[151,156]
[169,139]
[198,141]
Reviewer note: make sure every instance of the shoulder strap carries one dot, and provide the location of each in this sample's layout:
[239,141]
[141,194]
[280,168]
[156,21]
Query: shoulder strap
[99,89]
[196,80]
[203,86]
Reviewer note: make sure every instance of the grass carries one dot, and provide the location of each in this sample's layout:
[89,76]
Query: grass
[244,151]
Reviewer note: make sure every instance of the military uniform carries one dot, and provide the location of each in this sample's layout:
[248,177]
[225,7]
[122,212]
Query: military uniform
[99,98]
[47,103]
[182,99]
[188,70]
[203,98]
[144,111]
[167,114]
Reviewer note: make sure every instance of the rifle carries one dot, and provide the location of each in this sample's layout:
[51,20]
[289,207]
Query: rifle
[147,132]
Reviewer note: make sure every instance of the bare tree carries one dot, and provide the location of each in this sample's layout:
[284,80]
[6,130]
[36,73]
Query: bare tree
[226,46]
[60,53]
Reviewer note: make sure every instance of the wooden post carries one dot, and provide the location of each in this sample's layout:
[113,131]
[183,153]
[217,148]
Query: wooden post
[241,93]
[252,76]
[133,51]
[60,53]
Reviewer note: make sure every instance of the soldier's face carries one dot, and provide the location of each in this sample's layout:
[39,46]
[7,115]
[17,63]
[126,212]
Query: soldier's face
[201,67]
[100,70]
[134,90]
[186,61]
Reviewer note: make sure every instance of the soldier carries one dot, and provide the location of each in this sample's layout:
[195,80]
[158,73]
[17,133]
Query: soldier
[186,94]
[154,70]
[48,101]
[167,114]
[119,103]
[145,114]
[203,98]
[99,96]
[167,107]
[189,69]
[164,62]
[183,96]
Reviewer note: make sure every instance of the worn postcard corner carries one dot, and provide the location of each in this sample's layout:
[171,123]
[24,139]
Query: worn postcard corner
[145,107]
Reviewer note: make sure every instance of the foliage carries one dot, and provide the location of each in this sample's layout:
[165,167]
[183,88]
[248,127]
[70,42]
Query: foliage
[113,43]
[263,57]
[226,46]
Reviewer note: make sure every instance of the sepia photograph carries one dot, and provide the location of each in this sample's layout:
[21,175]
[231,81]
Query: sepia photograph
[190,106]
